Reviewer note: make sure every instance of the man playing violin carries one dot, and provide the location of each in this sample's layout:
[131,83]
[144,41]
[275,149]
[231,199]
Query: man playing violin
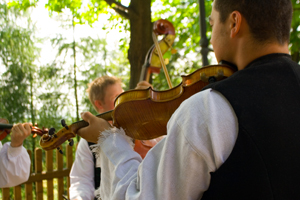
[85,173]
[236,139]
[14,159]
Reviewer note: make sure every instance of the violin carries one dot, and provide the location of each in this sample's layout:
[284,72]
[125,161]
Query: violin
[5,129]
[146,111]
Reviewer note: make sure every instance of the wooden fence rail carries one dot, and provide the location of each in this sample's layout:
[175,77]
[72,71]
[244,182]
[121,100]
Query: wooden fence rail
[48,174]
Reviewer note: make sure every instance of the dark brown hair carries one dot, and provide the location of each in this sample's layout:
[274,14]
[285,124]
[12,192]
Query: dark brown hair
[268,20]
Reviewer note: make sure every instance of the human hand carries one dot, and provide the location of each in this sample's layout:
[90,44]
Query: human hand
[96,125]
[19,133]
[143,85]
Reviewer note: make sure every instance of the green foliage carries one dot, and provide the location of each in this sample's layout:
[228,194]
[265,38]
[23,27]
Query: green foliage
[295,35]
[17,53]
[22,5]
[94,9]
[54,103]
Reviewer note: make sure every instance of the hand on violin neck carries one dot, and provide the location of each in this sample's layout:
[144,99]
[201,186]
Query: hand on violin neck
[19,133]
[96,125]
[143,85]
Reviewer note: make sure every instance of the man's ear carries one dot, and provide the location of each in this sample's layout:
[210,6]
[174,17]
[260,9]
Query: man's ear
[235,23]
[98,105]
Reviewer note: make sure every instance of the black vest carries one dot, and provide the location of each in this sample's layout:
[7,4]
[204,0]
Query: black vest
[97,170]
[265,161]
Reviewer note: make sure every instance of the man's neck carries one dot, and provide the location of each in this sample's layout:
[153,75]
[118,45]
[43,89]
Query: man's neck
[246,55]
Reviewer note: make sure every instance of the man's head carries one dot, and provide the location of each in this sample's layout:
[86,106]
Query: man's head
[246,29]
[103,91]
[267,19]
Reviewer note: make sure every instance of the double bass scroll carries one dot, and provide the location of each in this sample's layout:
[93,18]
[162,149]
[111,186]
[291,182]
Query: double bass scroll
[152,62]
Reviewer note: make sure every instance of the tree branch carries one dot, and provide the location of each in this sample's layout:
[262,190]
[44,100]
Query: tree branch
[119,8]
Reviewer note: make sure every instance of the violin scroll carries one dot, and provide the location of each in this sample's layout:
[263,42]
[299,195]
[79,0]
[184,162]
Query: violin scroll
[53,140]
[66,133]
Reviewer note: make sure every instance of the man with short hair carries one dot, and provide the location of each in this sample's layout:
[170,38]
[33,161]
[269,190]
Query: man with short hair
[85,172]
[236,139]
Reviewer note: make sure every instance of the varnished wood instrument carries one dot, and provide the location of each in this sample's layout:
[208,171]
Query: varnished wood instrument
[143,114]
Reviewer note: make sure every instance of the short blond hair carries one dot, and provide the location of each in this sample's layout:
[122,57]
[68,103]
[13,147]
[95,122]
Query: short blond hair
[96,89]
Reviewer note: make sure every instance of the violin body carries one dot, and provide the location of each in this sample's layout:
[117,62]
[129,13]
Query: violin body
[148,111]
[144,113]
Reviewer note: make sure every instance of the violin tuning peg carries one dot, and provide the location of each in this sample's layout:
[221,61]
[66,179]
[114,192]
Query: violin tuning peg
[35,124]
[71,142]
[51,131]
[34,135]
[63,123]
[59,150]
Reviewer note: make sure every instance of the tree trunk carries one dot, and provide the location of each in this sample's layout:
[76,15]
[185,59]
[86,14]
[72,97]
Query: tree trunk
[140,38]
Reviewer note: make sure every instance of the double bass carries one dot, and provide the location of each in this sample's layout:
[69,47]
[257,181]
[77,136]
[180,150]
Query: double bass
[147,111]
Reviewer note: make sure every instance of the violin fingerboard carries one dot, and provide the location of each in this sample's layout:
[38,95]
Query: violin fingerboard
[81,124]
[5,126]
[78,125]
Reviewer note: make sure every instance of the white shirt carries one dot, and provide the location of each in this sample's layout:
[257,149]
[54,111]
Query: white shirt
[200,137]
[14,165]
[82,173]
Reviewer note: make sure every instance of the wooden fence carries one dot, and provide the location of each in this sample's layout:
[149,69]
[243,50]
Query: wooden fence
[40,176]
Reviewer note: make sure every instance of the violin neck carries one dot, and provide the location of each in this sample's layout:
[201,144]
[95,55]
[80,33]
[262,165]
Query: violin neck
[106,115]
[81,124]
[5,126]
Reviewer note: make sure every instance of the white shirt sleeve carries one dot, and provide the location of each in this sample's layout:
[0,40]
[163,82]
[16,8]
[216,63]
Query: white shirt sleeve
[14,165]
[200,137]
[82,173]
